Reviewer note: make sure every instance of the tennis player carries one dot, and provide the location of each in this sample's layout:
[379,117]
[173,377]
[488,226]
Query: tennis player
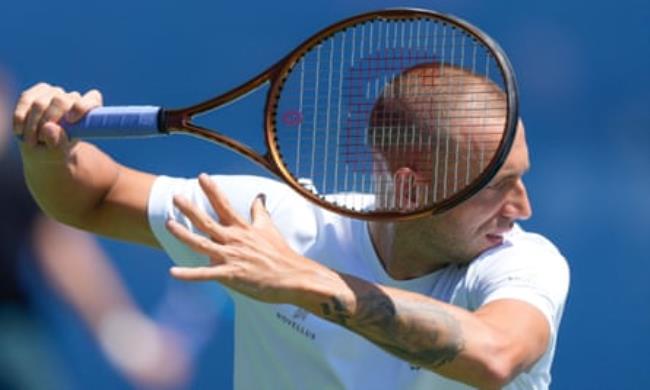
[461,299]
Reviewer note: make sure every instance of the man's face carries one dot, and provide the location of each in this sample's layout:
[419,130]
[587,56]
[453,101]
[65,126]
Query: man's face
[479,223]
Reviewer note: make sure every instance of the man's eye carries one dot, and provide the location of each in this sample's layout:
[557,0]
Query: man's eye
[494,185]
[499,185]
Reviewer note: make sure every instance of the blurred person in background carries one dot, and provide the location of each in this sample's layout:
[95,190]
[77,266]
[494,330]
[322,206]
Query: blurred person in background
[72,263]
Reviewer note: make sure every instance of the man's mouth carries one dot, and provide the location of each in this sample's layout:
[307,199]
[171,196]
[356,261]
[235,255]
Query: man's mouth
[495,239]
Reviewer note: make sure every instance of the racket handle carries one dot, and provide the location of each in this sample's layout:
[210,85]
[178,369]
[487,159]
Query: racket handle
[116,122]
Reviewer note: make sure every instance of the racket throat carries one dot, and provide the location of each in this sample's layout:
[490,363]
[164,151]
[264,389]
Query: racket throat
[173,120]
[178,121]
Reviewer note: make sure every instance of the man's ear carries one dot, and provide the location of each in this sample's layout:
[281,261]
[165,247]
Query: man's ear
[406,191]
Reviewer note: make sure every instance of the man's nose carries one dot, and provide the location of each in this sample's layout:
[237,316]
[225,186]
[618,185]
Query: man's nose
[517,205]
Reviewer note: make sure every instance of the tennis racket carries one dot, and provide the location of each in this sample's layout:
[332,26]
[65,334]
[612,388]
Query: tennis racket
[387,115]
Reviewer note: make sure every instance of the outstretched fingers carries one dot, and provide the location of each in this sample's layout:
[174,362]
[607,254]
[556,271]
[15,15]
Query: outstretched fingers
[200,219]
[196,242]
[219,201]
[195,273]
[219,269]
[259,215]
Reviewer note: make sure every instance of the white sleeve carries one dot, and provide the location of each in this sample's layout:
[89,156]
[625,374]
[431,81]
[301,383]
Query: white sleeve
[290,210]
[161,208]
[531,270]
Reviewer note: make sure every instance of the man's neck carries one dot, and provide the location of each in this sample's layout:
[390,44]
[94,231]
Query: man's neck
[402,251]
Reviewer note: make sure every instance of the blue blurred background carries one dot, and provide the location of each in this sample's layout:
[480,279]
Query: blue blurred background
[583,71]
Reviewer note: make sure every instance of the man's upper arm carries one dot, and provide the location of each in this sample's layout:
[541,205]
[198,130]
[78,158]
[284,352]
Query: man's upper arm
[123,213]
[522,327]
[519,292]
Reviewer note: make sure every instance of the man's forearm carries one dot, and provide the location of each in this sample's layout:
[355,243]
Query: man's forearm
[67,184]
[425,332]
[422,333]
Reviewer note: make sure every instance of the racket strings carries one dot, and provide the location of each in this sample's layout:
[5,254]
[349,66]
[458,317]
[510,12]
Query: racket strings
[386,95]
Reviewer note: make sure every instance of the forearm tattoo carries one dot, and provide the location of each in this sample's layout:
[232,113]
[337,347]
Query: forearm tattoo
[419,332]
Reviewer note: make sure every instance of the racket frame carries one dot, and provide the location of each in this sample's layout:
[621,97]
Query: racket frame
[180,120]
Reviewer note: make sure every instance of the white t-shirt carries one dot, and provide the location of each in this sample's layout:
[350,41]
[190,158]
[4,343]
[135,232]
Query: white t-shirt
[280,346]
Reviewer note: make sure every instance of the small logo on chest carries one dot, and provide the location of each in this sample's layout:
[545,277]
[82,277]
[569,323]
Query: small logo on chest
[296,322]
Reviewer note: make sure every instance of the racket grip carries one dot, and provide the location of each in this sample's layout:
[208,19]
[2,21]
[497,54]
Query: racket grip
[116,122]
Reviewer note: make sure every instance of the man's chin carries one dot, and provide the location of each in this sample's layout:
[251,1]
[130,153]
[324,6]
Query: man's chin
[486,243]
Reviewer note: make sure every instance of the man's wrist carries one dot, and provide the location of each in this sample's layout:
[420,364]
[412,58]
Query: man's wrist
[319,289]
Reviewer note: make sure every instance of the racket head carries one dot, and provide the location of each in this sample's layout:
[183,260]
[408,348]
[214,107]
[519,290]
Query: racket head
[392,114]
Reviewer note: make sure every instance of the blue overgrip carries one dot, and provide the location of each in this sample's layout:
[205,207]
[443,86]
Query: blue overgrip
[116,122]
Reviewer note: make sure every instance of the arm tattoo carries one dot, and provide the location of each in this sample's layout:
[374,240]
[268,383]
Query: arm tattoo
[336,311]
[420,332]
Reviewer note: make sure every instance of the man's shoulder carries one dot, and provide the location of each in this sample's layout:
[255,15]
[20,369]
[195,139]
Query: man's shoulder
[519,241]
[526,266]
[522,250]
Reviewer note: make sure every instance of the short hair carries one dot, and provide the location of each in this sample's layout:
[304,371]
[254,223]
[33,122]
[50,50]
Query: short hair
[439,118]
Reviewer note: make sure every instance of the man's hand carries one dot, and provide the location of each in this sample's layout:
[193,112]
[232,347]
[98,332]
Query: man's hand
[41,107]
[252,258]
